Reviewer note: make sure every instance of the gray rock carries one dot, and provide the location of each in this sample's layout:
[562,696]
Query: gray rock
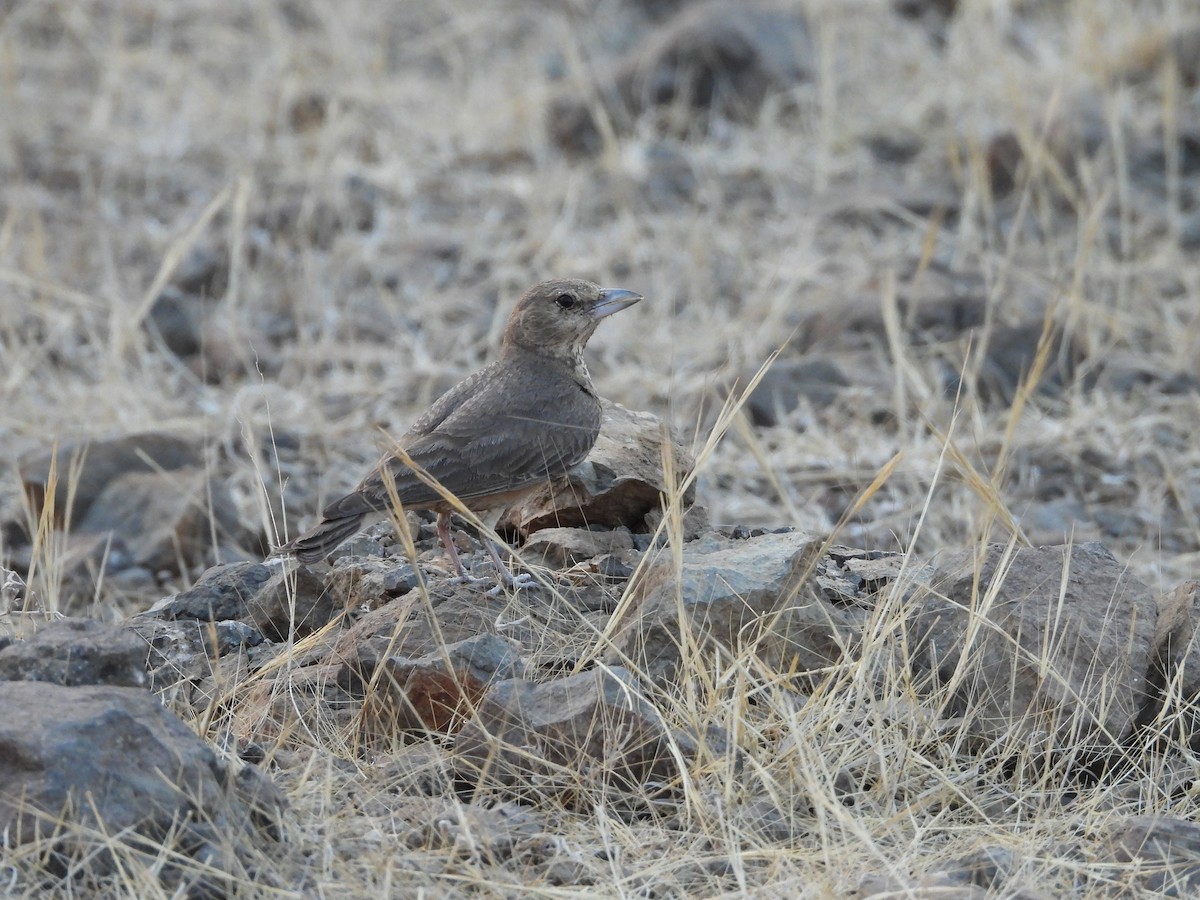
[75,761]
[188,650]
[75,652]
[264,596]
[1058,644]
[164,518]
[737,593]
[91,466]
[221,593]
[488,833]
[718,56]
[787,382]
[594,725]
[1176,675]
[1165,849]
[561,548]
[371,580]
[176,317]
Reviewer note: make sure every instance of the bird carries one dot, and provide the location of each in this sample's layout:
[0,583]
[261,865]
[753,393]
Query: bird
[525,419]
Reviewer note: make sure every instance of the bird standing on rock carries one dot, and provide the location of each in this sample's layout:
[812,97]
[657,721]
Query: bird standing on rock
[524,420]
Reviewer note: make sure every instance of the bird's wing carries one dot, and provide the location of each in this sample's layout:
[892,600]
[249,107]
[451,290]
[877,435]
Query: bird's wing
[489,435]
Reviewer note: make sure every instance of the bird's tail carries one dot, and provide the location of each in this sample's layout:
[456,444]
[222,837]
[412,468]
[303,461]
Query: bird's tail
[322,540]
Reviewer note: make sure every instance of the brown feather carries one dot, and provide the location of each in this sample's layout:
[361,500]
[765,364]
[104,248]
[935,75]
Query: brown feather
[527,418]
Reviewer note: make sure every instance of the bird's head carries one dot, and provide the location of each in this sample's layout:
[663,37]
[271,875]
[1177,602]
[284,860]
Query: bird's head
[556,318]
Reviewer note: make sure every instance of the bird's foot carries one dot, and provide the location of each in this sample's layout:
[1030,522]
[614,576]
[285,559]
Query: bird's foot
[466,578]
[509,582]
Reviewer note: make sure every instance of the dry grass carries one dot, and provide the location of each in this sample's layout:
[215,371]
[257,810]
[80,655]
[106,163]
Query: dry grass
[136,134]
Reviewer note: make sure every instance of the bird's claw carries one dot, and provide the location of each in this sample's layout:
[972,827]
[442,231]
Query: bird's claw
[514,583]
[467,579]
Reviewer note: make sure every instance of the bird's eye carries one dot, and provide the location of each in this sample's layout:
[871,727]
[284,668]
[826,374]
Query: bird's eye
[565,301]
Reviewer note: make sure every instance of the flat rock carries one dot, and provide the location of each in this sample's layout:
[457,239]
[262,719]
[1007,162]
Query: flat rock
[99,759]
[736,594]
[619,483]
[76,652]
[1058,643]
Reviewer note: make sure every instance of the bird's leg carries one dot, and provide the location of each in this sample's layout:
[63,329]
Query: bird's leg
[443,530]
[503,575]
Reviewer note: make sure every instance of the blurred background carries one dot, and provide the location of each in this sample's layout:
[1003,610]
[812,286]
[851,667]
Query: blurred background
[269,233]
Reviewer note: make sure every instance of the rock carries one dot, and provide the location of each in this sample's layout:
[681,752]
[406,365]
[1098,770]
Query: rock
[369,580]
[1176,674]
[222,593]
[265,596]
[204,271]
[1057,643]
[987,868]
[177,318]
[1008,357]
[436,691]
[1165,849]
[718,56]
[1056,521]
[164,518]
[736,594]
[188,650]
[92,466]
[786,383]
[103,760]
[619,483]
[561,548]
[75,652]
[555,736]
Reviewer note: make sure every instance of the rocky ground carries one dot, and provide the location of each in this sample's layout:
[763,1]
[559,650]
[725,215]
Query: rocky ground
[909,606]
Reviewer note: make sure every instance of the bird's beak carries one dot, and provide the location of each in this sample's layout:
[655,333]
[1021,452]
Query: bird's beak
[611,301]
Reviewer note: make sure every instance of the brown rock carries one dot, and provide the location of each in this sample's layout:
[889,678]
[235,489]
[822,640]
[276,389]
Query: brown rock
[1057,644]
[436,692]
[619,483]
